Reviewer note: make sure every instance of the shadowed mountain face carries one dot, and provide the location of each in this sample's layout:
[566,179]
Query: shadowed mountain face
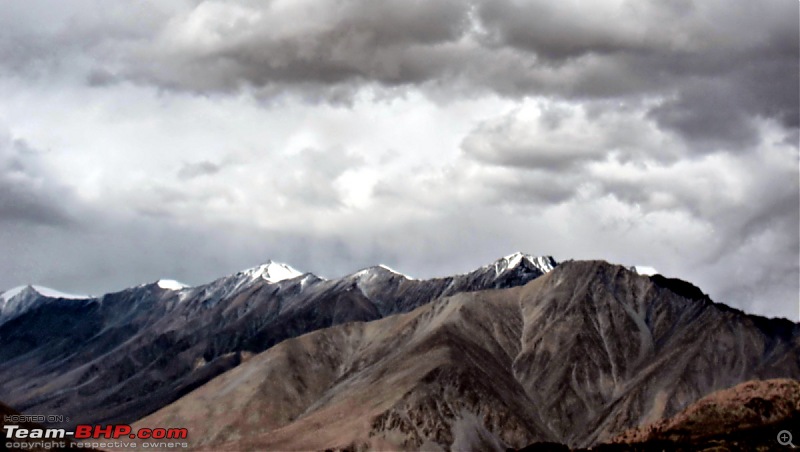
[575,357]
[119,357]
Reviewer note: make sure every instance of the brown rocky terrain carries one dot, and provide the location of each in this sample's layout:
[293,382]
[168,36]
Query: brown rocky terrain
[576,356]
[747,416]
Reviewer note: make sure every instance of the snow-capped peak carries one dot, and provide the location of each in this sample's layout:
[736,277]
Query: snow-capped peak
[391,270]
[272,272]
[644,270]
[512,260]
[543,263]
[171,284]
[19,299]
[371,271]
[41,290]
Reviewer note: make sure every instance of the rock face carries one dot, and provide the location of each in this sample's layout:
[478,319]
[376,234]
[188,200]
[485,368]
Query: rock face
[576,356]
[126,354]
[745,417]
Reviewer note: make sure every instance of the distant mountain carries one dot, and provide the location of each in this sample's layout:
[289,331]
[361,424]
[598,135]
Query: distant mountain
[16,301]
[118,357]
[575,357]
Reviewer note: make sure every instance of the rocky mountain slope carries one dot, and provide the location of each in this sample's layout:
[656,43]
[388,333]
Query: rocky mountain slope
[120,356]
[577,356]
[748,416]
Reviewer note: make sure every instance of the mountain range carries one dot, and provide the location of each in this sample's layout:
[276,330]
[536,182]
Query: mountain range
[575,356]
[520,351]
[118,357]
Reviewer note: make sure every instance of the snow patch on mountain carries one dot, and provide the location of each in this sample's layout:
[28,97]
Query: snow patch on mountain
[309,279]
[386,267]
[11,293]
[644,270]
[171,284]
[543,263]
[372,271]
[272,272]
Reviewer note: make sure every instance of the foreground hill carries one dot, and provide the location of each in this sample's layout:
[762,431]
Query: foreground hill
[121,356]
[576,356]
[748,416]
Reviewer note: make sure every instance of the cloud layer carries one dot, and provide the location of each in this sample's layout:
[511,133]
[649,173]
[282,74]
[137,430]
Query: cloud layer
[190,139]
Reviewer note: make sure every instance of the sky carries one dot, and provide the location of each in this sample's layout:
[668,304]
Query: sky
[193,139]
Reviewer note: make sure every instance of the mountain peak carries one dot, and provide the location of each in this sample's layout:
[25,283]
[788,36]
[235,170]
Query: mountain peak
[11,293]
[41,290]
[644,270]
[19,299]
[380,268]
[272,272]
[391,270]
[171,284]
[543,263]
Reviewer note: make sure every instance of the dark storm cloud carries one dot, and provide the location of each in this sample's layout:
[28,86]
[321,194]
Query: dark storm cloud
[23,204]
[518,155]
[707,113]
[532,188]
[718,111]
[27,193]
[538,142]
[715,64]
[564,137]
[554,31]
[326,46]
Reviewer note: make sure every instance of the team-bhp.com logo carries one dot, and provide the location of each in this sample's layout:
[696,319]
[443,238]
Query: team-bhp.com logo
[84,431]
[122,430]
[119,433]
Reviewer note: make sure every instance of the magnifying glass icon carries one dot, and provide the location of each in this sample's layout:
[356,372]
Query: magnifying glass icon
[785,438]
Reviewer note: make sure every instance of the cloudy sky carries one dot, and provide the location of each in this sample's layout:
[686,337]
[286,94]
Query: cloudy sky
[191,139]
